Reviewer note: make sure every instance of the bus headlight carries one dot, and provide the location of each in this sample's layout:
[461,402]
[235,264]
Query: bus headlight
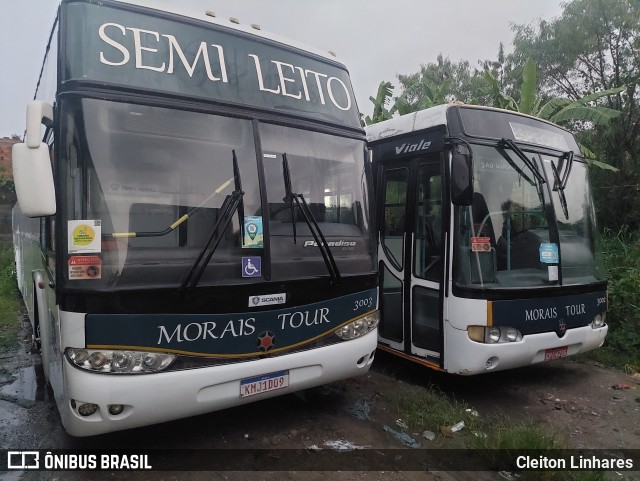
[359,327]
[599,320]
[493,334]
[512,334]
[132,362]
[122,361]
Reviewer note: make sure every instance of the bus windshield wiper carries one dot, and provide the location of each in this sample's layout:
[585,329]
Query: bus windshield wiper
[567,170]
[232,203]
[559,187]
[521,155]
[301,203]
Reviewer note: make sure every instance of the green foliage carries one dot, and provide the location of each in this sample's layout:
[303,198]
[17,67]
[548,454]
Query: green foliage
[9,298]
[592,47]
[380,111]
[426,95]
[621,252]
[498,97]
[429,409]
[437,83]
[563,111]
[529,104]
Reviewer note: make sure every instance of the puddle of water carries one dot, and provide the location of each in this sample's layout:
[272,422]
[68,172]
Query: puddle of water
[27,385]
[12,475]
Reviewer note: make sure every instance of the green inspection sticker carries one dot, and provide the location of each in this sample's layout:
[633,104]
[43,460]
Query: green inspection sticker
[253,237]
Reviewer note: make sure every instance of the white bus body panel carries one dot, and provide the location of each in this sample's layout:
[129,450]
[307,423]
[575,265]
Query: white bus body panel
[166,396]
[468,357]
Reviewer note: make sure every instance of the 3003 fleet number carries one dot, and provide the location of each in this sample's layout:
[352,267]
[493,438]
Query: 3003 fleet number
[360,303]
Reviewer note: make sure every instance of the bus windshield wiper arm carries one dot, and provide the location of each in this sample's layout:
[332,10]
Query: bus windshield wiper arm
[567,170]
[559,187]
[231,204]
[515,166]
[320,241]
[530,165]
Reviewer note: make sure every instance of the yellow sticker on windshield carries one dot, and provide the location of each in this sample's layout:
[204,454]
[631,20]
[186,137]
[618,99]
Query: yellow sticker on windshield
[84,236]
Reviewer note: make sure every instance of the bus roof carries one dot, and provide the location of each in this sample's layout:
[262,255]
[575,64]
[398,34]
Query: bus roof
[408,123]
[437,116]
[186,9]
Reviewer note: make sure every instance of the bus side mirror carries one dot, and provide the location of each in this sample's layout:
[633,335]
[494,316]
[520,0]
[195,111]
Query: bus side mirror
[461,178]
[32,174]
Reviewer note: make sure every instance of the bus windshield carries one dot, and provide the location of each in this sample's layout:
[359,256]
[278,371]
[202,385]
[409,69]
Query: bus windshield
[134,172]
[507,237]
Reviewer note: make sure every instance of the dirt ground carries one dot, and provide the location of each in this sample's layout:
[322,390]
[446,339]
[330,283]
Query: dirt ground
[588,405]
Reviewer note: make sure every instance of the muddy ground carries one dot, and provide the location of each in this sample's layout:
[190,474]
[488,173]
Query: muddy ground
[588,405]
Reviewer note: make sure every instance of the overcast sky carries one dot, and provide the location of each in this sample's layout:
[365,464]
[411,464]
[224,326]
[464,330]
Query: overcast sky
[375,39]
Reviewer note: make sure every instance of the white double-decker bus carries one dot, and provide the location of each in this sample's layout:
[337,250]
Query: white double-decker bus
[488,242]
[193,228]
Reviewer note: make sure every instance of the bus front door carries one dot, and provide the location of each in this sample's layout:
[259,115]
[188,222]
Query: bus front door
[411,256]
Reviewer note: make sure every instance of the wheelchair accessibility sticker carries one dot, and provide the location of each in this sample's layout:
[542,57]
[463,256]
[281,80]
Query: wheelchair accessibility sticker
[252,266]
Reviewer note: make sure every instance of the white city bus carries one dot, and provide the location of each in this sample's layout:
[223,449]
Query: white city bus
[487,240]
[193,222]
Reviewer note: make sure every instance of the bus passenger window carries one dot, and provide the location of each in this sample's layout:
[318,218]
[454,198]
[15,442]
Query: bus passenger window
[395,200]
[428,227]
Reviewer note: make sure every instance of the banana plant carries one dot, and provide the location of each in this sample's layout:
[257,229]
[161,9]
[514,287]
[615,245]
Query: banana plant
[561,111]
[380,111]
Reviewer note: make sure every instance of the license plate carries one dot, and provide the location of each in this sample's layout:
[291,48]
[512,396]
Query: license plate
[555,353]
[264,383]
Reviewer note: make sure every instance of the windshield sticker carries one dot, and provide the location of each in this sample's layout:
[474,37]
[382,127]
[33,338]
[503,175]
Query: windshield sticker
[84,236]
[549,253]
[267,300]
[252,266]
[85,267]
[253,238]
[553,273]
[480,244]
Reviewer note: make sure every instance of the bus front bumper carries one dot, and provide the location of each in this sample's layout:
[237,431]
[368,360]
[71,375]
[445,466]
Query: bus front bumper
[467,357]
[155,398]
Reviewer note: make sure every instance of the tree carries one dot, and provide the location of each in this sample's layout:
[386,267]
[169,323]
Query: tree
[593,47]
[561,111]
[437,83]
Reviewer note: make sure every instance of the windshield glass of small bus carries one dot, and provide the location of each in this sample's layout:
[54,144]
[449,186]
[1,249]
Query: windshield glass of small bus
[500,234]
[504,236]
[146,186]
[577,227]
[328,171]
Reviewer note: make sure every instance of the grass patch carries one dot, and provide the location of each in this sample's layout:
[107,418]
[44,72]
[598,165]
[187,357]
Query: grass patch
[9,298]
[430,410]
[489,436]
